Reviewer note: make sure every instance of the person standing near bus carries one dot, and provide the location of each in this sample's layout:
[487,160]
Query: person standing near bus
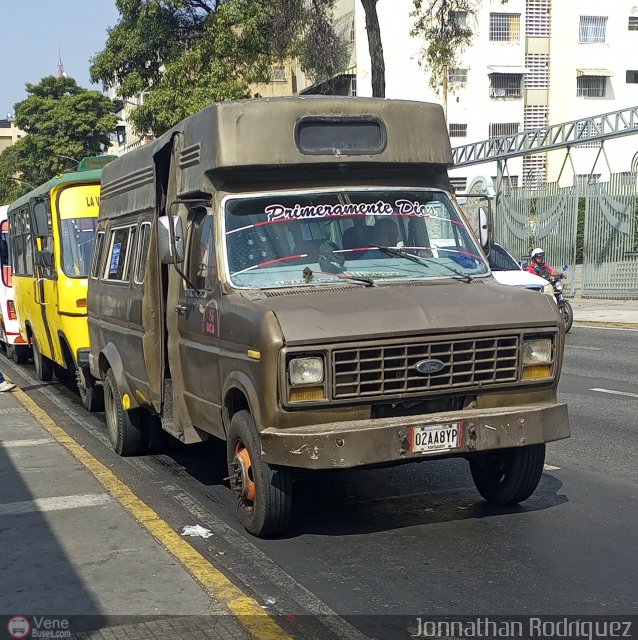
[5,385]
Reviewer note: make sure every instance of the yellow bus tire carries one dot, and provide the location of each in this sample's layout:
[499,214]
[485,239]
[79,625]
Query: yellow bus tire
[43,366]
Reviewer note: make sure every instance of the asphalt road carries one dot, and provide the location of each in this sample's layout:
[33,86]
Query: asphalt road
[418,540]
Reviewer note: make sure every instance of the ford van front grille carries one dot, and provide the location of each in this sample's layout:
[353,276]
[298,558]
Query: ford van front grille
[388,370]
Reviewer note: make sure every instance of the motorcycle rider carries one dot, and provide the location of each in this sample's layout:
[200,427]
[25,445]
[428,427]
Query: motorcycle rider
[538,265]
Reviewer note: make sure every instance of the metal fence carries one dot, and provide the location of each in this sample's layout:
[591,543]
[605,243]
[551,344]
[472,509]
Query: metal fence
[606,240]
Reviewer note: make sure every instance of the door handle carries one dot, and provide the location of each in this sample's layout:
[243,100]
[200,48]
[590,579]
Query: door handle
[181,309]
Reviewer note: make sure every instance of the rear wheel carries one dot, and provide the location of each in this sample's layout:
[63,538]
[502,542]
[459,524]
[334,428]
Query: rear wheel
[21,353]
[508,476]
[568,315]
[43,366]
[262,491]
[124,427]
[91,394]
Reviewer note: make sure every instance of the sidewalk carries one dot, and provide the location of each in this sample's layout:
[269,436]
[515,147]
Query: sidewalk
[605,312]
[68,548]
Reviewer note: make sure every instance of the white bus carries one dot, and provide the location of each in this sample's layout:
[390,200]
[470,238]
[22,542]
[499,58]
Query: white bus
[10,339]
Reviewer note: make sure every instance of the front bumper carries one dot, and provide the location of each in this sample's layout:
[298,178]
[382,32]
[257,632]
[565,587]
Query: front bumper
[359,443]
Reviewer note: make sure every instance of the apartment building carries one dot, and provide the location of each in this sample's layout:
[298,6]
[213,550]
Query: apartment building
[531,63]
[9,133]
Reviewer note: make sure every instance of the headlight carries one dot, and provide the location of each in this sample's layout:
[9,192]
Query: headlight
[537,352]
[306,371]
[548,290]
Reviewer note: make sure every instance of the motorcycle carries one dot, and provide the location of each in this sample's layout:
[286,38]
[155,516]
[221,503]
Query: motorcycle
[563,305]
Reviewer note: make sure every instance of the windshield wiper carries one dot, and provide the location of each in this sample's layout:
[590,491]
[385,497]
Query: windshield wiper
[422,261]
[308,277]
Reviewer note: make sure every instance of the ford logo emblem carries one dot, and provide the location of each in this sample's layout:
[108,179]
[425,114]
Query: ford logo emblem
[429,366]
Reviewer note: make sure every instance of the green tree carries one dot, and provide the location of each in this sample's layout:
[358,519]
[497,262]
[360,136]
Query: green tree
[187,54]
[63,122]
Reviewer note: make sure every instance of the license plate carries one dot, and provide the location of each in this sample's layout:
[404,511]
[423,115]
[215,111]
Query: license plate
[435,438]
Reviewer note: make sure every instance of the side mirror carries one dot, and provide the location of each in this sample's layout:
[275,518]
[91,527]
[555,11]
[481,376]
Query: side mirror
[170,240]
[40,219]
[44,259]
[485,229]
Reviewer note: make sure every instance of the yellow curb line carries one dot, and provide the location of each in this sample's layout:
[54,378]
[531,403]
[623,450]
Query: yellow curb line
[603,323]
[247,610]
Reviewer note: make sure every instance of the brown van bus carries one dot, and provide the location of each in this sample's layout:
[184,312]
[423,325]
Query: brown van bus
[294,276]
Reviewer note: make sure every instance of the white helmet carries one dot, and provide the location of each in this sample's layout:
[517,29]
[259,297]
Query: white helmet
[537,252]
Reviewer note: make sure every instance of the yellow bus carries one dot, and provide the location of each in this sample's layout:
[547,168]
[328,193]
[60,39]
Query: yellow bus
[52,229]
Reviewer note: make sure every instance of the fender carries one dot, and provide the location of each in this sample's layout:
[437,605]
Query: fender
[112,355]
[239,380]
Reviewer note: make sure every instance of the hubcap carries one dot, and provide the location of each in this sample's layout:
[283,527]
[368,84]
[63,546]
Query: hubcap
[241,476]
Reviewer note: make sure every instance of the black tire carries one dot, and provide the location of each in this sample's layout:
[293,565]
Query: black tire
[508,476]
[9,351]
[91,394]
[269,512]
[21,354]
[124,427]
[568,315]
[43,366]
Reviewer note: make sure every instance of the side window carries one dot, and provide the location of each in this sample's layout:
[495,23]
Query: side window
[142,252]
[121,248]
[97,255]
[202,258]
[20,230]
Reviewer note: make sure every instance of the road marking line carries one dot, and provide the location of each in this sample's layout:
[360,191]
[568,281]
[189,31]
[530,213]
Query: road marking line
[616,393]
[247,610]
[58,503]
[8,444]
[550,467]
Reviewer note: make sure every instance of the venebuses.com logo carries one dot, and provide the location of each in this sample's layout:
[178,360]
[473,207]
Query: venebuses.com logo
[18,627]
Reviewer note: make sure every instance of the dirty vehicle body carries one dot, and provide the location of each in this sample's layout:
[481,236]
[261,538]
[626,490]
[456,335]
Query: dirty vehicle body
[52,229]
[268,273]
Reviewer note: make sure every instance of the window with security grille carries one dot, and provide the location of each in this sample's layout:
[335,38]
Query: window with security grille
[505,27]
[538,18]
[458,130]
[457,76]
[633,23]
[583,179]
[505,85]
[591,86]
[500,129]
[538,76]
[592,29]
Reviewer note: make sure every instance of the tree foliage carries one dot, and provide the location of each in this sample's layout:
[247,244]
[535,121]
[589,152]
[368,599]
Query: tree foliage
[186,54]
[63,122]
[445,27]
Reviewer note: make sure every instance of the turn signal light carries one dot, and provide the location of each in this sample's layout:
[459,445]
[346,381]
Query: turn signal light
[11,310]
[81,303]
[537,373]
[306,394]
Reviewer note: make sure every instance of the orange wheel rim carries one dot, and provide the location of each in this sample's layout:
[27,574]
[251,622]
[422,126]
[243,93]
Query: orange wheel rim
[248,490]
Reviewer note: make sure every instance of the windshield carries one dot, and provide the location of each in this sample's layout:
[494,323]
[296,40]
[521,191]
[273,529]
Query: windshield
[320,238]
[77,245]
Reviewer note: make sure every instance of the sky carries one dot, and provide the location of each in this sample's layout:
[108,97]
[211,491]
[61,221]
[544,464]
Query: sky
[32,32]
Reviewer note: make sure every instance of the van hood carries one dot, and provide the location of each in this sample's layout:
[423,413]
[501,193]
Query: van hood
[345,313]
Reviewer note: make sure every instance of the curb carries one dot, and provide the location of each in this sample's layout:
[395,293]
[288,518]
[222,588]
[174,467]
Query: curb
[606,323]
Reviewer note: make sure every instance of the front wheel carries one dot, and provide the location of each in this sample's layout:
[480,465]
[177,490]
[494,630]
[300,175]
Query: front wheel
[43,366]
[124,427]
[508,476]
[263,491]
[568,315]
